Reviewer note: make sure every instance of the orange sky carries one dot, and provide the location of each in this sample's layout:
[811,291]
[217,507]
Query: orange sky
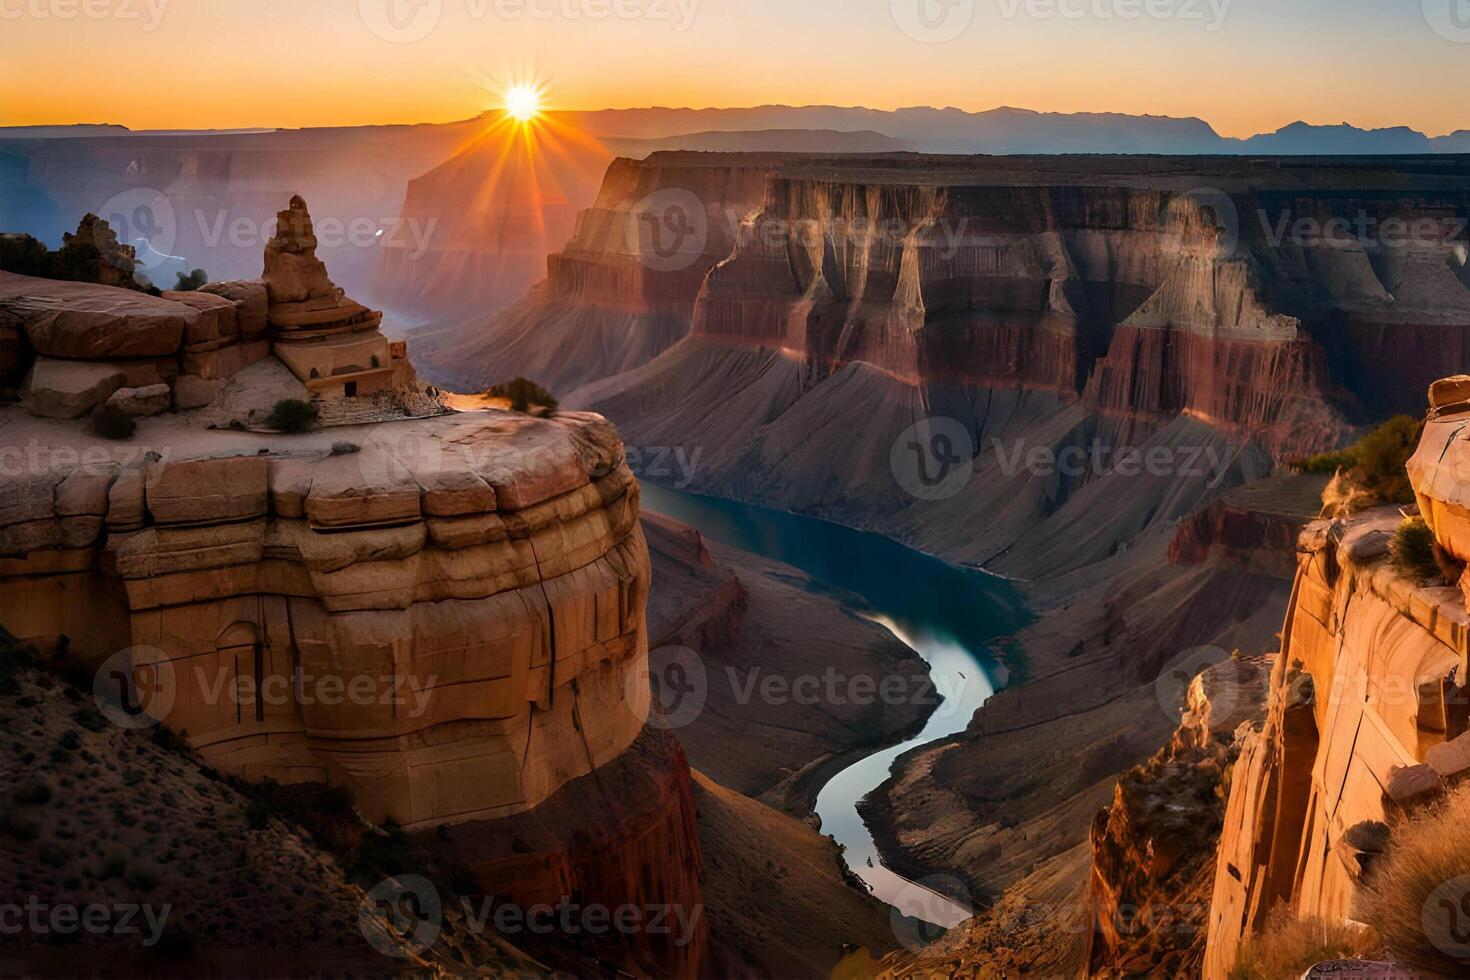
[1245,66]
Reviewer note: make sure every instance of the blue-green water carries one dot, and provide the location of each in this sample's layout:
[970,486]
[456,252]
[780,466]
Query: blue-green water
[948,614]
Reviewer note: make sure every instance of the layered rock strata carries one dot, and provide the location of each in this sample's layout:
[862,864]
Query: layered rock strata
[1367,706]
[623,288]
[445,616]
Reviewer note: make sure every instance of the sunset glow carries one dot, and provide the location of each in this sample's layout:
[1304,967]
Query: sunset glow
[523,103]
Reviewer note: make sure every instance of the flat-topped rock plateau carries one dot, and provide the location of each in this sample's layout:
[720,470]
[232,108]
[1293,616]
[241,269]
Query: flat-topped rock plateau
[443,615]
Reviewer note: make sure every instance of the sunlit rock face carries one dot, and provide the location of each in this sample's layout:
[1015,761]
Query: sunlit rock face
[1366,713]
[445,615]
[482,577]
[623,288]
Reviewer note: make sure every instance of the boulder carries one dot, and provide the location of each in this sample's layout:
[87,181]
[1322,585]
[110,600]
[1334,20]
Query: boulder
[68,389]
[251,302]
[150,400]
[191,391]
[201,491]
[1450,391]
[218,321]
[217,365]
[89,322]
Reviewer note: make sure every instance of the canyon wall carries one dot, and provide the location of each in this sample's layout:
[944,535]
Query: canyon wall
[1367,706]
[444,615]
[623,288]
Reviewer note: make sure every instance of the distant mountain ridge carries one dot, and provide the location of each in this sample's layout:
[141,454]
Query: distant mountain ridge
[1003,130]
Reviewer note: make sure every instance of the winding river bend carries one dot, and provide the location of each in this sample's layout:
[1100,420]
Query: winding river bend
[948,614]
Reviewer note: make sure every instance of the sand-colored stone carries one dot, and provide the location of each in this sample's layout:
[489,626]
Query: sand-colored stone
[501,651]
[85,321]
[218,322]
[206,491]
[152,399]
[69,389]
[1386,662]
[225,362]
[192,391]
[251,303]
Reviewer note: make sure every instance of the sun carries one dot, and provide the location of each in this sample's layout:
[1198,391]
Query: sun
[523,103]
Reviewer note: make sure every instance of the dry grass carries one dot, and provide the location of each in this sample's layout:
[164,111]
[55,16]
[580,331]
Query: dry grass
[1287,947]
[1412,898]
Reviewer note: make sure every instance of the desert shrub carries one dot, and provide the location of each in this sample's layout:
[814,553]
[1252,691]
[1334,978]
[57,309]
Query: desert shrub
[292,415]
[1412,549]
[1287,947]
[1377,461]
[345,448]
[190,281]
[523,393]
[111,422]
[1418,889]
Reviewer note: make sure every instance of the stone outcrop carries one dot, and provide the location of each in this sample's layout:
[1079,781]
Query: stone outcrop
[90,254]
[445,616]
[623,288]
[59,339]
[1366,713]
[1153,848]
[331,343]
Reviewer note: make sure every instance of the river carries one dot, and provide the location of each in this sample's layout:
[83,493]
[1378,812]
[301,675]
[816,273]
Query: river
[948,614]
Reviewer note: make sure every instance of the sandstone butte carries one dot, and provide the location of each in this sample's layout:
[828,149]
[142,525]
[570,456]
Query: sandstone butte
[1366,711]
[481,578]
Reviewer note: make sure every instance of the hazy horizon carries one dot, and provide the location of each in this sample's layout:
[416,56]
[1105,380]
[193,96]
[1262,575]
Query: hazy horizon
[1243,66]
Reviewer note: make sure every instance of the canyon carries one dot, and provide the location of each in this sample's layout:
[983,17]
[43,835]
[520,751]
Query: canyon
[1121,357]
[1094,310]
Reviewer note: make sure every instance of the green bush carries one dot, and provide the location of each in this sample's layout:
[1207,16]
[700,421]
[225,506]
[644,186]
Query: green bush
[190,281]
[292,415]
[523,393]
[111,422]
[1412,549]
[1377,461]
